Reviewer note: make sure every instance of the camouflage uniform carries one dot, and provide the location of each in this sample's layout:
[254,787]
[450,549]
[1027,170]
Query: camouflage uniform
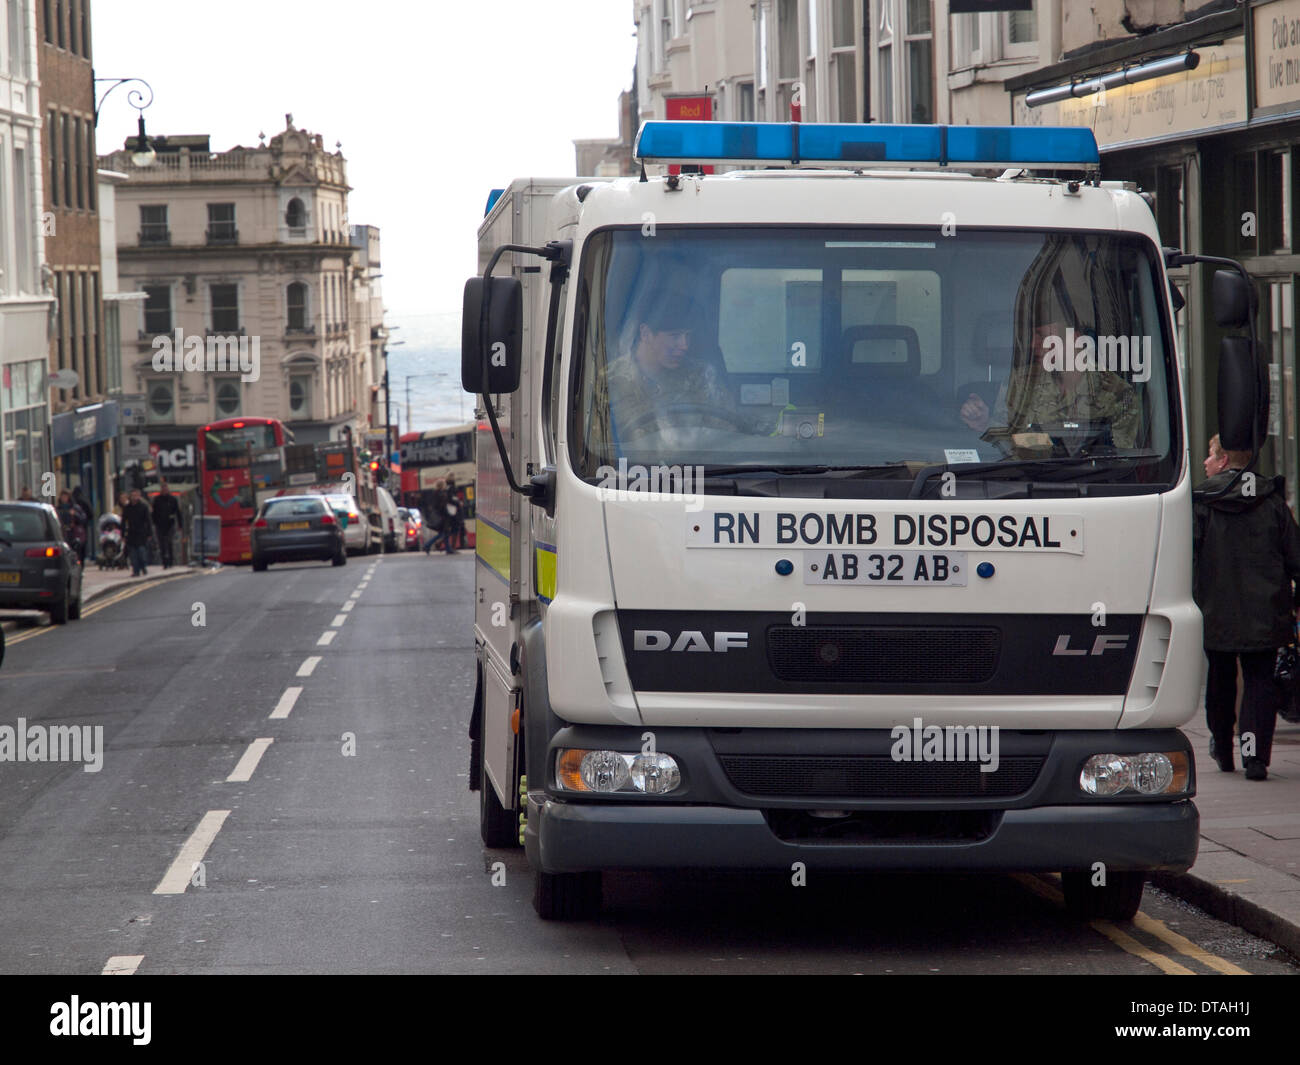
[630,395]
[1101,397]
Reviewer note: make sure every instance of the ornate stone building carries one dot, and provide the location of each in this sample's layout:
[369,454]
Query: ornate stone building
[250,250]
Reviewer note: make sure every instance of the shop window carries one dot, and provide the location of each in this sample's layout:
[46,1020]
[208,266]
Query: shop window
[1275,193]
[1169,206]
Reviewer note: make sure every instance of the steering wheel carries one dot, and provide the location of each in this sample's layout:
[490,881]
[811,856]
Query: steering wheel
[699,411]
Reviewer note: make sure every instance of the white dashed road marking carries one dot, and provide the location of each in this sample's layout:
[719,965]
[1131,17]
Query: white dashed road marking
[244,767]
[286,702]
[308,665]
[177,877]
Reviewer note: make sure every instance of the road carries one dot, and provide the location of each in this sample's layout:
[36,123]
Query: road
[301,734]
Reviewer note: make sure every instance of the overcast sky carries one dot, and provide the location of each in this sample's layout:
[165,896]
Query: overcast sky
[435,103]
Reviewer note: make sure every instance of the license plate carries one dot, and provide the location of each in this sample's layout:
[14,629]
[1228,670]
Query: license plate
[11,578]
[286,526]
[906,568]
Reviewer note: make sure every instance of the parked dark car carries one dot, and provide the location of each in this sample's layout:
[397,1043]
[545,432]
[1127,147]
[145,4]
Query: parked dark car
[293,528]
[38,570]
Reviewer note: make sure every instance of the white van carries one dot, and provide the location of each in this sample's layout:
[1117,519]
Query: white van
[392,523]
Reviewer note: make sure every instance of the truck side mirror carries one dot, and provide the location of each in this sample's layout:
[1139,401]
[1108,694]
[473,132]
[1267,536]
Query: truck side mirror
[505,329]
[1243,393]
[1234,301]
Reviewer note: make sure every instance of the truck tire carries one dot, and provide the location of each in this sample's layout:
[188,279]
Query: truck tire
[566,896]
[497,824]
[1117,900]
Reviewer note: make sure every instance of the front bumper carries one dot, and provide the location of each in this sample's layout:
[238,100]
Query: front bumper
[721,820]
[570,838]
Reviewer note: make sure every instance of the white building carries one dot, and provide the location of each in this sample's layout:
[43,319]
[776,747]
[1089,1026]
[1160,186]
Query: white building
[25,303]
[841,60]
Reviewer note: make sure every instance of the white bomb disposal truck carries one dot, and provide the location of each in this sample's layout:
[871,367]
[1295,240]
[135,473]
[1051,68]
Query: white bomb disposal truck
[836,511]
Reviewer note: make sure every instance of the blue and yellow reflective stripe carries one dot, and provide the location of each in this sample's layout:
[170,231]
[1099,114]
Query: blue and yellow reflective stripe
[492,545]
[544,561]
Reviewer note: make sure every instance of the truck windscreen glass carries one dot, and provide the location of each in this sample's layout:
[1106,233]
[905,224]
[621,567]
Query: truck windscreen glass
[866,355]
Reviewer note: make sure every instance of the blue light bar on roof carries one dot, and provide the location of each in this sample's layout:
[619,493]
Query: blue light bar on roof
[493,196]
[847,144]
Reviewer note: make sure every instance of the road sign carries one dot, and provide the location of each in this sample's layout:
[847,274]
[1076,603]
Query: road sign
[135,446]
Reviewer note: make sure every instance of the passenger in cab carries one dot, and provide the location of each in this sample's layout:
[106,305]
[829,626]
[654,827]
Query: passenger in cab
[1045,391]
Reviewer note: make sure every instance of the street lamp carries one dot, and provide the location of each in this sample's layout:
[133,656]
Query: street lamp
[388,399]
[143,154]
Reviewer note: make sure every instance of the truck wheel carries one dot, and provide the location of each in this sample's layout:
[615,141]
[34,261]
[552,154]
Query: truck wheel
[566,896]
[497,824]
[1117,900]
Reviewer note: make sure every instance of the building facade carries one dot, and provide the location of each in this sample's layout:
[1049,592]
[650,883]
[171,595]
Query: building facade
[25,299]
[369,332]
[248,268]
[83,419]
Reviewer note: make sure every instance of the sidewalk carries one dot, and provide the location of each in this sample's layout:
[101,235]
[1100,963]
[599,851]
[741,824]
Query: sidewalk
[1248,868]
[96,584]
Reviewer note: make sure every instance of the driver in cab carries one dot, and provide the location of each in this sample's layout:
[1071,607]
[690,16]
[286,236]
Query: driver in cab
[658,384]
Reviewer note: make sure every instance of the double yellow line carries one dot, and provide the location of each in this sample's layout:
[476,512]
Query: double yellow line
[1156,929]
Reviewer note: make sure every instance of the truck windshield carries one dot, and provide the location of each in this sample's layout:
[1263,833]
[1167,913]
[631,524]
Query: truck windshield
[870,355]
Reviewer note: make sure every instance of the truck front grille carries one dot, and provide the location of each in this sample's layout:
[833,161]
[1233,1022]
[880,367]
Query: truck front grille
[831,777]
[884,654]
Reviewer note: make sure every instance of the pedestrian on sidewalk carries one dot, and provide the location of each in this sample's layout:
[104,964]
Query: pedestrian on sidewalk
[166,519]
[1246,581]
[138,523]
[72,522]
[80,498]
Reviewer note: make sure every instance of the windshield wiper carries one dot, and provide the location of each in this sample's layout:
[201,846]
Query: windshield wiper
[800,471]
[1100,464]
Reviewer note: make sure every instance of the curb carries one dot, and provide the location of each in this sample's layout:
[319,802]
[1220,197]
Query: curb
[87,598]
[1228,903]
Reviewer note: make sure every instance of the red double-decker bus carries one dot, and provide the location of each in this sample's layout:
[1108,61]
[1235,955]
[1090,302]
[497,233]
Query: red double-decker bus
[431,457]
[241,462]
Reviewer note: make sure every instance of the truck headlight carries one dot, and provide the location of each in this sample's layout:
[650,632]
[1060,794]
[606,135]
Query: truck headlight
[1148,773]
[604,772]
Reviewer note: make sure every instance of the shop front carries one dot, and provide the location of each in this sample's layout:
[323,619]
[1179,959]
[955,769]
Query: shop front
[79,442]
